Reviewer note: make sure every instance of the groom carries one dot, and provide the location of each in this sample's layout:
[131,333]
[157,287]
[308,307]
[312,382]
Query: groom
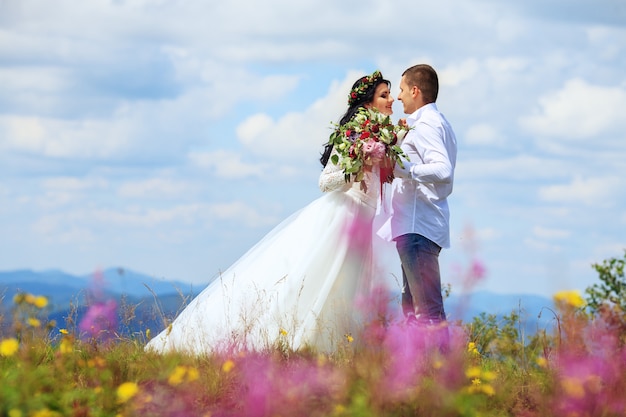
[420,223]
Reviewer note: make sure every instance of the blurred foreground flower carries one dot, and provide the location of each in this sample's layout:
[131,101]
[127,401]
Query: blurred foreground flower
[126,391]
[45,412]
[33,322]
[100,320]
[569,297]
[472,349]
[181,374]
[480,380]
[66,345]
[14,412]
[8,347]
[40,301]
[228,366]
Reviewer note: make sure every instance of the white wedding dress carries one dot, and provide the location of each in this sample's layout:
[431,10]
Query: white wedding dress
[308,282]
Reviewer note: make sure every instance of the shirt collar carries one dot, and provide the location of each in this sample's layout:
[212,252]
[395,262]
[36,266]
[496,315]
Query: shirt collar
[417,113]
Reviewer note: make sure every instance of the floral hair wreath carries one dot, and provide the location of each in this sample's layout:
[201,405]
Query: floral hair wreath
[364,85]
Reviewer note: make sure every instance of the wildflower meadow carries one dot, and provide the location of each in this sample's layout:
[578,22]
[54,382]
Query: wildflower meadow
[575,367]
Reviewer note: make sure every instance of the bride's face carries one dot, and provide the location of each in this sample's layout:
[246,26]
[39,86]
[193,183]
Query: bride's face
[382,100]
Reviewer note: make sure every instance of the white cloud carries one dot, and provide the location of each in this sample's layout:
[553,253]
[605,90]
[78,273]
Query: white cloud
[548,233]
[488,234]
[154,188]
[296,135]
[519,167]
[63,139]
[454,75]
[579,111]
[73,183]
[482,134]
[95,223]
[601,192]
[242,213]
[54,230]
[543,245]
[227,164]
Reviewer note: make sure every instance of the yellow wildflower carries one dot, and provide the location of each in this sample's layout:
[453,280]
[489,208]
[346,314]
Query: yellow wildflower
[570,297]
[349,338]
[471,348]
[63,331]
[29,298]
[44,412]
[33,322]
[488,389]
[97,361]
[177,376]
[40,301]
[8,347]
[126,391]
[542,362]
[192,374]
[228,366]
[66,346]
[283,332]
[573,387]
[321,360]
[147,333]
[479,380]
[18,298]
[488,375]
[473,372]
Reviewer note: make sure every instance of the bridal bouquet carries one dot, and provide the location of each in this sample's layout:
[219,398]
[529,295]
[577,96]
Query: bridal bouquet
[370,138]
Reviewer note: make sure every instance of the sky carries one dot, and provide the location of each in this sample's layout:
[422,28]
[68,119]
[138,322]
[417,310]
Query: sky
[169,136]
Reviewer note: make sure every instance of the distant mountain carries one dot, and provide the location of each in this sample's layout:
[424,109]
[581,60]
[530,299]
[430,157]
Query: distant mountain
[62,288]
[148,302]
[466,306]
[535,312]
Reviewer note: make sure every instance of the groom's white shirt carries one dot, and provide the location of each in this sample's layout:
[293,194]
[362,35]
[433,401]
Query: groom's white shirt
[420,190]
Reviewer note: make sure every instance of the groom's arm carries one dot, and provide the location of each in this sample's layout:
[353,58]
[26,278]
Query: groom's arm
[429,159]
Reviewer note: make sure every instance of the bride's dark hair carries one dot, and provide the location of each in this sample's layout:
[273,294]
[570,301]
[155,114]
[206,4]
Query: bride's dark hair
[362,93]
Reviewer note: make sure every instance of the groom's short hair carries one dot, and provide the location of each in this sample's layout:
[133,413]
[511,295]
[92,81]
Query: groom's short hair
[425,78]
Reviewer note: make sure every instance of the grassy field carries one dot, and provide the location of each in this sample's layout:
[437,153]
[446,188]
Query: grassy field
[577,368]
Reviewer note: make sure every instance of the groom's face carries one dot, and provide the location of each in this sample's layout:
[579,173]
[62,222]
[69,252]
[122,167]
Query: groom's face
[407,96]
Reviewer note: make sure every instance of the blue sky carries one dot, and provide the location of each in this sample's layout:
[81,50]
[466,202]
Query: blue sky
[168,137]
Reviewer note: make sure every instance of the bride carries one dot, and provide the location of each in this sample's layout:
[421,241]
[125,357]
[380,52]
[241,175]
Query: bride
[307,282]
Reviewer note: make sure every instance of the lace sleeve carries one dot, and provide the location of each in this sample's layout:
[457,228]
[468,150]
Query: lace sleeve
[332,178]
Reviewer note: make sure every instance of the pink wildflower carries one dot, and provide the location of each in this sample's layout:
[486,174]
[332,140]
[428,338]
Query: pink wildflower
[100,320]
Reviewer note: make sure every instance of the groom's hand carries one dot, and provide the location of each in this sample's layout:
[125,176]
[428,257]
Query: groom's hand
[403,171]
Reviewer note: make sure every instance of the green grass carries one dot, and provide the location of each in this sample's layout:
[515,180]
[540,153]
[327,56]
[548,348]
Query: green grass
[578,369]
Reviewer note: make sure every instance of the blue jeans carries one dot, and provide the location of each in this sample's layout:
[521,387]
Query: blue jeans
[421,278]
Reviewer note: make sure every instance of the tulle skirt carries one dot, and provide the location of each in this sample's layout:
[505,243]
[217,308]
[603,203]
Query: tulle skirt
[308,282]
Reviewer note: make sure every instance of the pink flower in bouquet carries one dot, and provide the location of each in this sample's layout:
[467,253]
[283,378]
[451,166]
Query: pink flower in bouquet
[375,150]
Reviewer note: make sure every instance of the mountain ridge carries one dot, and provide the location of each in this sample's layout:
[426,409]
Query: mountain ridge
[156,301]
